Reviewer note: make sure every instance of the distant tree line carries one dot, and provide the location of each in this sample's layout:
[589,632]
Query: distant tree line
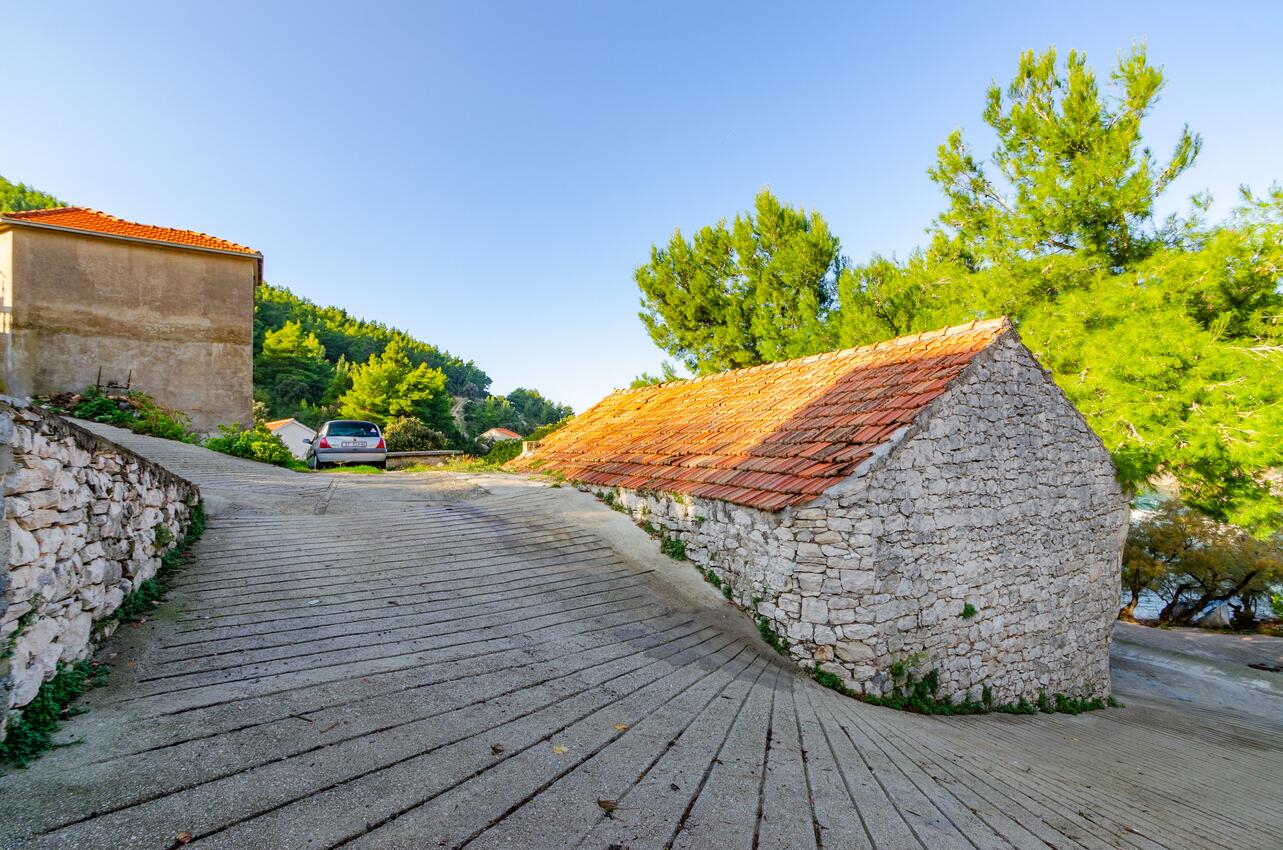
[17,197]
[315,363]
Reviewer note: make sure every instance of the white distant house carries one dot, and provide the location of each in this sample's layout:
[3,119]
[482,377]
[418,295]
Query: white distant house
[292,433]
[498,435]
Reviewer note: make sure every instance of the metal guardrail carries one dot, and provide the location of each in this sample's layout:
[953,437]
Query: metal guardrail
[432,453]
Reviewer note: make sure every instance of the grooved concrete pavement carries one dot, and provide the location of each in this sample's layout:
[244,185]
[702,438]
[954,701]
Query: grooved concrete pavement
[455,661]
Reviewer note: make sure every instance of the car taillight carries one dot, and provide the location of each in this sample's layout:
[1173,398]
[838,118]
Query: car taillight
[380,445]
[324,444]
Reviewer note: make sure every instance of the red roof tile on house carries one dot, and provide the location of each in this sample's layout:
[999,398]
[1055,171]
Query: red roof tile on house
[501,433]
[93,221]
[768,436]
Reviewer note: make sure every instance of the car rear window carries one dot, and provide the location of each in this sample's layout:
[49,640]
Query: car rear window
[352,429]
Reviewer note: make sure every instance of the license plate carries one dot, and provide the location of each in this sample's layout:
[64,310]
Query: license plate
[351,444]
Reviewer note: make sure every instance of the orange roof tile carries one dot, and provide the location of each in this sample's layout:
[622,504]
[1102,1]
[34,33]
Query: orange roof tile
[502,432]
[93,221]
[276,423]
[767,436]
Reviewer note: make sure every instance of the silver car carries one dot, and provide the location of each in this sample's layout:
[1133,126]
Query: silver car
[347,441]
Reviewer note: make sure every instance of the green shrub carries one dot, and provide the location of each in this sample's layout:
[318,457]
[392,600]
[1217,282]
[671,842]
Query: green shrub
[502,452]
[137,411]
[544,430]
[156,421]
[968,611]
[255,443]
[408,434]
[96,407]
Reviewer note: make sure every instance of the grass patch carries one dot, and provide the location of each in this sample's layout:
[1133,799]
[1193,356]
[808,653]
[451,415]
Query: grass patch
[32,733]
[354,469]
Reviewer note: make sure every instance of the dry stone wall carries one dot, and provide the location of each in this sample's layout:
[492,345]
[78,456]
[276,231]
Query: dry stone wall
[999,497]
[81,525]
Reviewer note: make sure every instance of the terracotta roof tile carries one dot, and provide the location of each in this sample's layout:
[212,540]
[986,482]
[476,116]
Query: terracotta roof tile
[768,436]
[93,221]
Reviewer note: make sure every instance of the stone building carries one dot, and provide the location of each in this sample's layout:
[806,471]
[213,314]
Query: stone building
[933,499]
[85,296]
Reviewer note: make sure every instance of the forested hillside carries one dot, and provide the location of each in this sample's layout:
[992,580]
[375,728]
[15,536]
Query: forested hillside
[316,363]
[15,197]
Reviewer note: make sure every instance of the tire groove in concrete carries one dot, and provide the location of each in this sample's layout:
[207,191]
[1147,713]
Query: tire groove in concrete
[301,590]
[506,645]
[427,620]
[399,610]
[331,742]
[501,653]
[516,543]
[351,661]
[541,738]
[327,608]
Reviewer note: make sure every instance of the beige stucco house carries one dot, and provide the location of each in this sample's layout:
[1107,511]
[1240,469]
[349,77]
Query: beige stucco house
[88,297]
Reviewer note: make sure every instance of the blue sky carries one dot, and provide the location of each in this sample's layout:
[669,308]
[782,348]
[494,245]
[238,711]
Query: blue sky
[487,176]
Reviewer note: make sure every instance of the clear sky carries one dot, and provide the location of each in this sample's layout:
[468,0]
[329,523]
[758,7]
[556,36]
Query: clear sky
[488,175]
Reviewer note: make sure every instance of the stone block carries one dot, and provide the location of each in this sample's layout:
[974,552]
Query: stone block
[815,610]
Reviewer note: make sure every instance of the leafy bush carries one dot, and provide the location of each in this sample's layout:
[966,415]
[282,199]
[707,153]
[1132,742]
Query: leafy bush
[96,407]
[544,430]
[407,434]
[1192,561]
[255,443]
[502,452]
[156,421]
[137,411]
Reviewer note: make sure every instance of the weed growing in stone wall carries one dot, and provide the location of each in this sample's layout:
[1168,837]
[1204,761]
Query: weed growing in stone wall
[148,594]
[674,548]
[23,622]
[917,693]
[32,733]
[968,611]
[773,638]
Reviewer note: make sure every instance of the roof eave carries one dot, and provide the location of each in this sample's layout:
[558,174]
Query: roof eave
[257,256]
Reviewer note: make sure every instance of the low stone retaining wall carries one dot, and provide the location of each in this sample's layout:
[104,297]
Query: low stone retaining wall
[82,530]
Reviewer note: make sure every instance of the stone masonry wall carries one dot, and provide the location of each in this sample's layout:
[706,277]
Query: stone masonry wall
[999,496]
[81,515]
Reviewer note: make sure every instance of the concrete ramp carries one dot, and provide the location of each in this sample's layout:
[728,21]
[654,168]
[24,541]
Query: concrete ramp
[440,660]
